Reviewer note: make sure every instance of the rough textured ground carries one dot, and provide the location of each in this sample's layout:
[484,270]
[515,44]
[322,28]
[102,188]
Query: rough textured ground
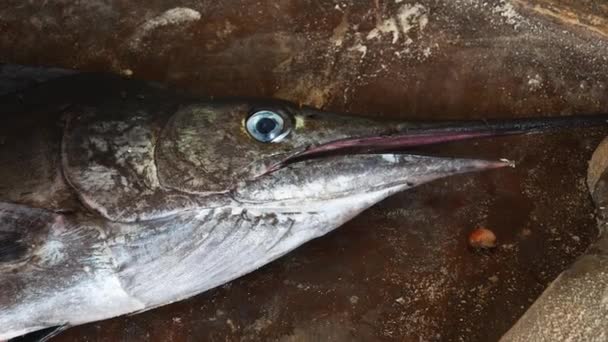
[402,271]
[573,307]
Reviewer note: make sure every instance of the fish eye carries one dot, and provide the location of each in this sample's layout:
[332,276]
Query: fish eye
[267,126]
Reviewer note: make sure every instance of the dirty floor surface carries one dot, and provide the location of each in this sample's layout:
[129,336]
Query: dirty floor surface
[402,270]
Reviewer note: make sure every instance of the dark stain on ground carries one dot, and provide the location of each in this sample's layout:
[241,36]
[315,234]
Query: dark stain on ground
[403,269]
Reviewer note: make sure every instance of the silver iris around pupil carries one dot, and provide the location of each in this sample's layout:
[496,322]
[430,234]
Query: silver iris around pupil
[265,126]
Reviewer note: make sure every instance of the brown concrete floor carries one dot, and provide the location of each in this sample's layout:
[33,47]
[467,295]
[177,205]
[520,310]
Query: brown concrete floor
[402,270]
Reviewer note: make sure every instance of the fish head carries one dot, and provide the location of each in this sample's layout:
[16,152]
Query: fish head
[284,175]
[271,150]
[209,153]
[277,157]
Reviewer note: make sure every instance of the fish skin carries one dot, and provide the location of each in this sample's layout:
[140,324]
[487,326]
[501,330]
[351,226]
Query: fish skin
[118,196]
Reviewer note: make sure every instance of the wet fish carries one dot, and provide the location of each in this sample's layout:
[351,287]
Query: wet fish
[118,196]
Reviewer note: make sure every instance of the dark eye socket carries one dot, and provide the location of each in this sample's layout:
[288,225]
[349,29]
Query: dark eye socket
[267,126]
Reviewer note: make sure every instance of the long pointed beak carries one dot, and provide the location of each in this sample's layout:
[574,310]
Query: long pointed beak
[348,133]
[367,135]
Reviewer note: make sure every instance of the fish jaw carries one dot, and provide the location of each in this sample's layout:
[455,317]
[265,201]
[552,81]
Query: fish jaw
[316,181]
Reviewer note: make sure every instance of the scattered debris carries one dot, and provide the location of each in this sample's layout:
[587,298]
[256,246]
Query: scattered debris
[260,324]
[482,238]
[174,16]
[230,323]
[535,82]
[507,11]
[360,48]
[408,17]
[340,31]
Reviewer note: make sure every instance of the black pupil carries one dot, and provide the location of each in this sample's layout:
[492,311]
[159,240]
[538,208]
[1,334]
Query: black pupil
[266,125]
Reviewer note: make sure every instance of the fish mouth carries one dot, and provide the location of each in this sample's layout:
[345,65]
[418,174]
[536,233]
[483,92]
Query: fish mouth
[396,144]
[382,144]
[401,137]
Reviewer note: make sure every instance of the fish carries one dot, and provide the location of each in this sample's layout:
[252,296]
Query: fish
[118,196]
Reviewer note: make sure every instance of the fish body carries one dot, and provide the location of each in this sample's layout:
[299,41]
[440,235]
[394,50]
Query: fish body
[118,196]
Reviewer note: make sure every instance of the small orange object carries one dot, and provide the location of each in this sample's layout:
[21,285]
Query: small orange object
[482,238]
